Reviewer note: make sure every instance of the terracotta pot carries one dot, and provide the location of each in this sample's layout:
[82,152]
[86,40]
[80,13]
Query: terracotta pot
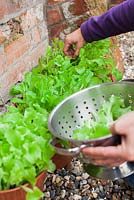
[19,194]
[60,160]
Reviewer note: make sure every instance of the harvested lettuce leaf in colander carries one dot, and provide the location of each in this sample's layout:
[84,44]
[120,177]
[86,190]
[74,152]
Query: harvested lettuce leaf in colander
[99,126]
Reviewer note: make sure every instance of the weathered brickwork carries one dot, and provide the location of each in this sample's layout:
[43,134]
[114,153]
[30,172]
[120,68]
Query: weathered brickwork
[23,39]
[65,16]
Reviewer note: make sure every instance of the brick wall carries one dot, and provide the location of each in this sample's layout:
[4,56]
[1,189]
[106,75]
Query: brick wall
[26,28]
[65,16]
[23,38]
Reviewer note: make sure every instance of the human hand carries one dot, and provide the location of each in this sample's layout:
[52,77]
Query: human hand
[73,43]
[115,155]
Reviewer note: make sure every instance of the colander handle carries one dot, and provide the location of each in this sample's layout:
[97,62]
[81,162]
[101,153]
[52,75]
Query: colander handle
[128,80]
[66,152]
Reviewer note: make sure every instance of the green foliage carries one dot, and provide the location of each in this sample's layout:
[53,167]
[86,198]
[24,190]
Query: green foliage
[25,148]
[57,77]
[99,126]
[33,194]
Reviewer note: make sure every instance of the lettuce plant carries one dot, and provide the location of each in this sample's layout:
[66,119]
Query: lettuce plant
[98,126]
[25,148]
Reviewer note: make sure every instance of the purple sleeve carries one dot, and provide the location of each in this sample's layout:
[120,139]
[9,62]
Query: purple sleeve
[117,20]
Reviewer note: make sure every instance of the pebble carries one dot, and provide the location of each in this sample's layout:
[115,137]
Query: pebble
[63,193]
[95,195]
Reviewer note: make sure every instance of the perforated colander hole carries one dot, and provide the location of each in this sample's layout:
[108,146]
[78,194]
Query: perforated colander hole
[62,127]
[72,116]
[65,131]
[93,99]
[75,121]
[63,117]
[66,122]
[95,104]
[59,122]
[103,96]
[70,127]
[97,110]
[81,117]
[84,102]
[70,136]
[89,113]
[79,111]
[87,107]
[76,107]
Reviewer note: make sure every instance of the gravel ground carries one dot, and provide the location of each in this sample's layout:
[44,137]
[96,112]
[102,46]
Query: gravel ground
[126,44]
[71,182]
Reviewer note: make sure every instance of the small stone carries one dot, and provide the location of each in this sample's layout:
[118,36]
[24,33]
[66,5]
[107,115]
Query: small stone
[52,194]
[95,195]
[85,188]
[53,178]
[47,194]
[83,182]
[72,177]
[67,178]
[58,179]
[77,184]
[85,176]
[85,198]
[114,197]
[78,178]
[48,183]
[63,193]
[77,197]
[128,192]
[101,188]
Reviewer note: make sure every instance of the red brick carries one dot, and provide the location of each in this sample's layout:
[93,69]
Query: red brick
[7,7]
[78,7]
[55,2]
[34,55]
[54,16]
[16,49]
[16,73]
[29,20]
[9,79]
[54,31]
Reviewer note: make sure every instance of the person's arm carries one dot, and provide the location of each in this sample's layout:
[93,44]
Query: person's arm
[115,155]
[117,20]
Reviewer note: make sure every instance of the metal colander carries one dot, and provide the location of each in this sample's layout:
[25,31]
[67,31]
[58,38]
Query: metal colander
[71,113]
